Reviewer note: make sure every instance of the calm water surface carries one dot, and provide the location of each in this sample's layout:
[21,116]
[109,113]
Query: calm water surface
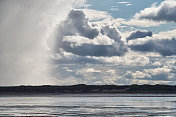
[88,105]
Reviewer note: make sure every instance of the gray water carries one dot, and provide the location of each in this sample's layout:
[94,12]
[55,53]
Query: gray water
[88,105]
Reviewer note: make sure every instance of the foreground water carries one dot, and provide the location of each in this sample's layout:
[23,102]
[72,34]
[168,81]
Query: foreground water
[88,105]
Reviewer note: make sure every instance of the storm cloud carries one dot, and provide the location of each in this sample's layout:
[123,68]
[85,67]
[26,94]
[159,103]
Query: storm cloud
[77,24]
[25,25]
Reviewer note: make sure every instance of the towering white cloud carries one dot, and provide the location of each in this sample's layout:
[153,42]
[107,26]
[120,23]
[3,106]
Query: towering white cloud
[77,24]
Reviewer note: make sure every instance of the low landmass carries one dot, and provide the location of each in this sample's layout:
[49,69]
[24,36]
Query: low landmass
[83,89]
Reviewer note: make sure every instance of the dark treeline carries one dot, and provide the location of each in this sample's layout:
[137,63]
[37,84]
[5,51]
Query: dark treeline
[82,88]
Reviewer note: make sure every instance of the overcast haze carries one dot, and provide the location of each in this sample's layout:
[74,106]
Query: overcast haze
[65,42]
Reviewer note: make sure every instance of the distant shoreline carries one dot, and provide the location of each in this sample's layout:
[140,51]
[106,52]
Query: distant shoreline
[88,89]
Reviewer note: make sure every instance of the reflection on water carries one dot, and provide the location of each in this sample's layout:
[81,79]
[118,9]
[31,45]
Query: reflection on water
[87,106]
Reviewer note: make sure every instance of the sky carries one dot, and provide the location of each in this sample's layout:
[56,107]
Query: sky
[66,42]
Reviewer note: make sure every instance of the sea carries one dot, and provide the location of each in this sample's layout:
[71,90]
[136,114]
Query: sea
[89,105]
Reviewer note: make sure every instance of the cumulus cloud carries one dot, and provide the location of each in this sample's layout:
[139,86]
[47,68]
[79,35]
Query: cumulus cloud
[137,74]
[165,47]
[156,74]
[68,58]
[139,34]
[88,70]
[157,64]
[79,40]
[127,60]
[166,11]
[77,24]
[157,71]
[111,71]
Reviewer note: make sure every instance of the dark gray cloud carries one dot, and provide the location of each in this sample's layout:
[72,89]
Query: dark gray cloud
[165,47]
[112,33]
[96,50]
[78,24]
[139,34]
[166,11]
